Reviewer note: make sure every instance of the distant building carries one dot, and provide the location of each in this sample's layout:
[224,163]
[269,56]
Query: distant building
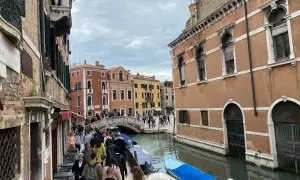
[167,97]
[120,87]
[146,94]
[236,78]
[86,89]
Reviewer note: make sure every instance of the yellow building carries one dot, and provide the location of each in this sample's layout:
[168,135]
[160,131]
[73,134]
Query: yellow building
[146,94]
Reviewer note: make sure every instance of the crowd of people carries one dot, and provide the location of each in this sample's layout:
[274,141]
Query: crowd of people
[101,155]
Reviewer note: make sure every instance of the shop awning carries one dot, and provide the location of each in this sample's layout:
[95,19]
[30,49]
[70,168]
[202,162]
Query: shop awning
[65,115]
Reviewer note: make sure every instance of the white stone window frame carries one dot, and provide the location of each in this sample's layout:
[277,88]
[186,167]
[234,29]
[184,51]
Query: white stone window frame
[270,48]
[224,31]
[130,92]
[121,95]
[201,45]
[182,66]
[208,118]
[112,94]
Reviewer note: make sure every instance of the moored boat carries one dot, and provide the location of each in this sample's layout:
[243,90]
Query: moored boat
[184,171]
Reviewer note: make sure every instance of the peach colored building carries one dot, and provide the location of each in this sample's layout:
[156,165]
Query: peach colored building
[236,79]
[120,87]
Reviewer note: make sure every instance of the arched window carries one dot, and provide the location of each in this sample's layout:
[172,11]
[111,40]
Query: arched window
[89,100]
[200,63]
[89,85]
[227,46]
[121,75]
[181,71]
[122,95]
[279,33]
[103,85]
[104,100]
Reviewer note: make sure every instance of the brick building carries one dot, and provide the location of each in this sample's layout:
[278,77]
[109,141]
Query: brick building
[120,87]
[236,78]
[34,83]
[167,97]
[86,81]
[146,94]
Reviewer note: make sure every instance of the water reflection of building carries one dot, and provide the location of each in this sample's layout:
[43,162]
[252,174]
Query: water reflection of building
[236,80]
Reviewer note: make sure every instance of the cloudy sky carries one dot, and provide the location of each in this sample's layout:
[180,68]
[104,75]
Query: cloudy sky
[130,33]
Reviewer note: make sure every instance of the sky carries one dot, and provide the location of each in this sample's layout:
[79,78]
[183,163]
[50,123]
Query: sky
[129,33]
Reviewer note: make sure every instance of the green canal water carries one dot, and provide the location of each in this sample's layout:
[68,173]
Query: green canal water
[220,166]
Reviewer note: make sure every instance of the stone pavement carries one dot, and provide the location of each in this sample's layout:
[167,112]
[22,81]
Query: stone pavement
[168,127]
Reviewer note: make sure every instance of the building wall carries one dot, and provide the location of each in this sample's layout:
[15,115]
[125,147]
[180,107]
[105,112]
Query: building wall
[271,82]
[140,99]
[167,96]
[116,84]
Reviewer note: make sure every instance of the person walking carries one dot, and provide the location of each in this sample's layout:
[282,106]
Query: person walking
[112,171]
[169,122]
[78,167]
[87,152]
[99,149]
[93,170]
[79,141]
[88,136]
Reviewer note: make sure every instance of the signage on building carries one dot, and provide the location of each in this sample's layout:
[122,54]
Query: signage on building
[9,56]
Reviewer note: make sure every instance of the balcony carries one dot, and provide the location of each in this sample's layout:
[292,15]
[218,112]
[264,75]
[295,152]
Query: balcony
[104,91]
[10,18]
[90,108]
[61,16]
[90,91]
[105,107]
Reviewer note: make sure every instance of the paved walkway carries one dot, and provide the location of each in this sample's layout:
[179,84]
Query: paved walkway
[168,127]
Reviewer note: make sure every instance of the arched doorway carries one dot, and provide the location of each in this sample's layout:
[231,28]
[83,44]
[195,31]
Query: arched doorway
[286,118]
[235,131]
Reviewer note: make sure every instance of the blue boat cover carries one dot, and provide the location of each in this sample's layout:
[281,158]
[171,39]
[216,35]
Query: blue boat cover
[185,171]
[142,156]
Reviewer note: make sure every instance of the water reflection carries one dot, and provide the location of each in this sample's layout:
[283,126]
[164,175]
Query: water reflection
[220,166]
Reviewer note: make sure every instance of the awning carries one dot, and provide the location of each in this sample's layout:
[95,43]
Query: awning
[65,115]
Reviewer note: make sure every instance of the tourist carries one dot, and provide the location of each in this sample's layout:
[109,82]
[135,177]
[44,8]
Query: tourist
[87,152]
[169,122]
[99,149]
[78,167]
[121,162]
[79,141]
[112,171]
[71,141]
[88,136]
[120,142]
[137,173]
[93,170]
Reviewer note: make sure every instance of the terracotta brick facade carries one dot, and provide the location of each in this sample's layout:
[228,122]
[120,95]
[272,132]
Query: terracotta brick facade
[273,82]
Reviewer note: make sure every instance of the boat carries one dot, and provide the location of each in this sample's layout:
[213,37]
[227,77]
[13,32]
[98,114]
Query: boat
[183,171]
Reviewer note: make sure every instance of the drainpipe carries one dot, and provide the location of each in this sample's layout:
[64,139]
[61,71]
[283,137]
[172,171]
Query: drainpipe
[250,59]
[42,35]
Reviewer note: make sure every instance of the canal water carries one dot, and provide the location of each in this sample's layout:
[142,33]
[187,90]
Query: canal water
[221,167]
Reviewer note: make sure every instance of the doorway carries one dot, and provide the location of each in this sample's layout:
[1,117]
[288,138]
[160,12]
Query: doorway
[235,131]
[54,150]
[35,147]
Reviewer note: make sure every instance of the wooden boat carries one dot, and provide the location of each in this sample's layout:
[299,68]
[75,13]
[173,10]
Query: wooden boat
[184,171]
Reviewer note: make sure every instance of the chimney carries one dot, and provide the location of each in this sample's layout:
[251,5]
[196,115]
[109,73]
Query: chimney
[84,61]
[97,63]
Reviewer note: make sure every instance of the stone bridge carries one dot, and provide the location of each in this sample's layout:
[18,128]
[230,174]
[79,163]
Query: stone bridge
[131,123]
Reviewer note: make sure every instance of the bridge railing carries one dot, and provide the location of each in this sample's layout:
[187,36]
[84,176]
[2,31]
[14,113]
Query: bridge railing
[114,121]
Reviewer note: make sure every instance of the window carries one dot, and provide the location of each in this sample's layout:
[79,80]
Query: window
[88,73]
[129,94]
[135,85]
[121,75]
[136,105]
[89,100]
[167,97]
[181,71]
[227,46]
[157,86]
[136,95]
[143,95]
[122,95]
[78,86]
[158,104]
[158,95]
[114,94]
[78,101]
[79,113]
[90,113]
[104,101]
[103,74]
[113,76]
[280,35]
[204,118]
[89,85]
[200,64]
[103,85]
[172,97]
[183,116]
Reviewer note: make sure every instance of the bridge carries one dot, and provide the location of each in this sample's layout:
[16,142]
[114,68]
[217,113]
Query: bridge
[130,123]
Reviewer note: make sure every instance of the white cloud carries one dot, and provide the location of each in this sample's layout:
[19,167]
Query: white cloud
[167,5]
[138,41]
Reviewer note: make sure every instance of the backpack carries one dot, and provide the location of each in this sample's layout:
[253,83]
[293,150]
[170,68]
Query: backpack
[91,173]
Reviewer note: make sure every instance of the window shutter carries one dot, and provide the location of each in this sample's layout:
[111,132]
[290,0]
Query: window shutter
[26,64]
